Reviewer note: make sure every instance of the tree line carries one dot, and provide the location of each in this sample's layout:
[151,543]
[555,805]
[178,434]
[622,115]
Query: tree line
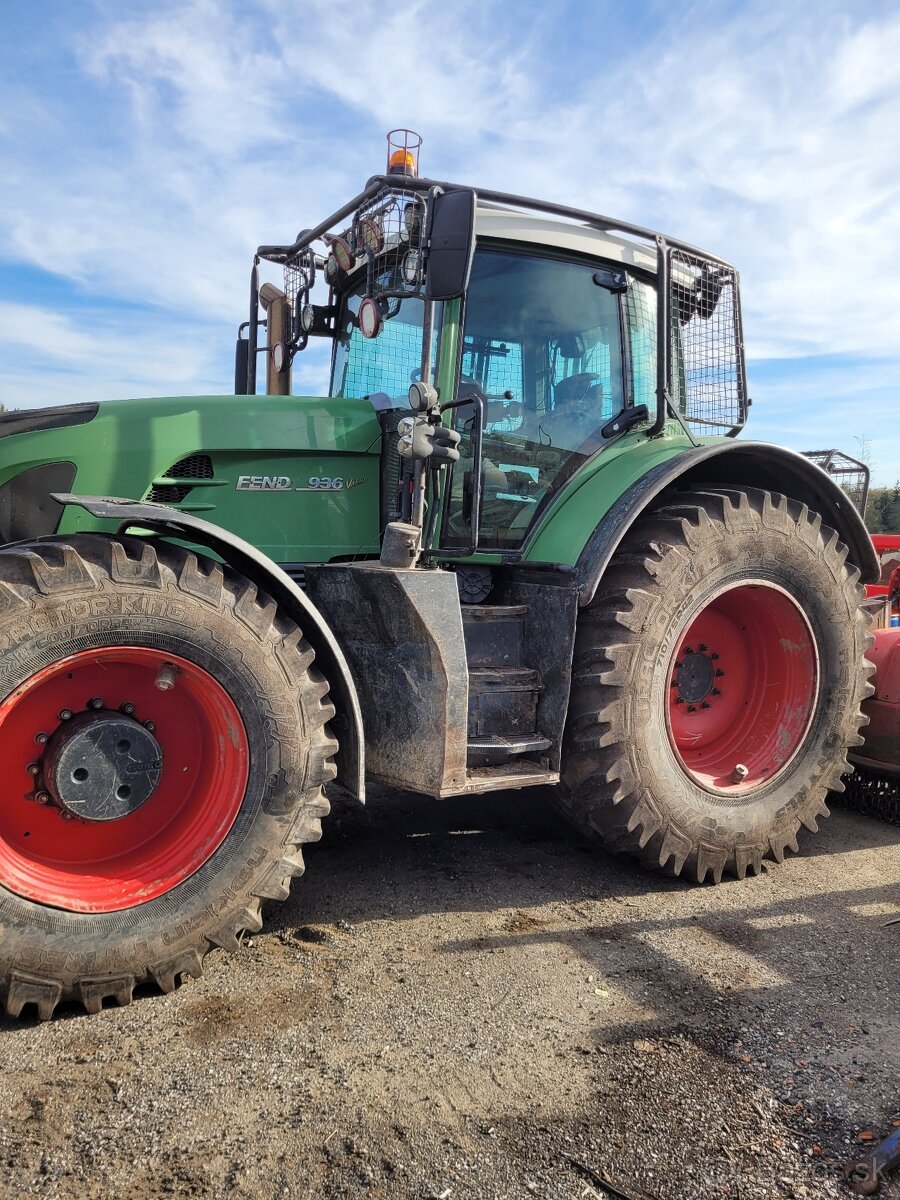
[883,510]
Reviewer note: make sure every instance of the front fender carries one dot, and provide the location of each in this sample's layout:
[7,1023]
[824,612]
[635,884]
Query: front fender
[270,578]
[728,464]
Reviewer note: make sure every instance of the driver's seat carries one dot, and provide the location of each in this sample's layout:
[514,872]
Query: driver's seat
[578,393]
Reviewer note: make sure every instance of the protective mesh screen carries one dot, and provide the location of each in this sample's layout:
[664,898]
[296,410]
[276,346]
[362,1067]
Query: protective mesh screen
[299,276]
[707,368]
[386,238]
[168,493]
[598,362]
[848,473]
[497,368]
[391,228]
[640,318]
[383,366]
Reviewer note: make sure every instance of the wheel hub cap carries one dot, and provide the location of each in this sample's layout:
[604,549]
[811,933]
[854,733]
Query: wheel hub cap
[102,766]
[694,677]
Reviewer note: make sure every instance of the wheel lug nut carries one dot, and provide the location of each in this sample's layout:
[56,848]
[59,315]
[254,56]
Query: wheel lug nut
[704,705]
[717,691]
[719,673]
[33,769]
[127,709]
[703,647]
[714,656]
[42,797]
[739,774]
[95,703]
[66,816]
[40,738]
[677,665]
[689,649]
[678,700]
[692,708]
[65,714]
[149,726]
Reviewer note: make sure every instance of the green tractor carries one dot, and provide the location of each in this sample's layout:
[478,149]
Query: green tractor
[518,544]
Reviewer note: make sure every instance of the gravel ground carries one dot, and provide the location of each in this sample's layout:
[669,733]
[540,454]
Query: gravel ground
[463,1001]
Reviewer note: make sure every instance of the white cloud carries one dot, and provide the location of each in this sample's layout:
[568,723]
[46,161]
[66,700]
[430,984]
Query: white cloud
[98,355]
[766,133]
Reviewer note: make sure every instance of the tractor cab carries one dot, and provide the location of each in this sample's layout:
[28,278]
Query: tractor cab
[512,341]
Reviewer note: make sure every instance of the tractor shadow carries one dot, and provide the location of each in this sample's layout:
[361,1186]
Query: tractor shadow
[511,859]
[402,855]
[788,980]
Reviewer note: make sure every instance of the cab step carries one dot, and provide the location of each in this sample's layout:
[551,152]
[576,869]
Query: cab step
[495,634]
[503,700]
[497,748]
[503,776]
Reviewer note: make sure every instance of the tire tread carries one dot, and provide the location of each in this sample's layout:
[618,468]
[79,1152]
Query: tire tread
[602,793]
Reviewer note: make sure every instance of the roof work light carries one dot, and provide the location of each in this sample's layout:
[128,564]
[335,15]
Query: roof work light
[370,318]
[342,253]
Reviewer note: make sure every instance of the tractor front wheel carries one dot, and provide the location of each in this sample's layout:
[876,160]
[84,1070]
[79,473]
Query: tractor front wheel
[717,684]
[165,744]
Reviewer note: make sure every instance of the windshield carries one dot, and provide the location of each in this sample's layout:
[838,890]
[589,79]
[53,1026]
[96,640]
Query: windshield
[543,344]
[380,368]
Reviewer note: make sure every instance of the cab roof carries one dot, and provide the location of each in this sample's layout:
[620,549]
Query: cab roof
[504,224]
[541,221]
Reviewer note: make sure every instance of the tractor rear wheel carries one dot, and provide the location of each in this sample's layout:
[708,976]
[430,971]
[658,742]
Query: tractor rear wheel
[165,744]
[717,684]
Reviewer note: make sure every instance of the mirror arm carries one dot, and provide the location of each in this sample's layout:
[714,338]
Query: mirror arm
[420,471]
[253,328]
[472,548]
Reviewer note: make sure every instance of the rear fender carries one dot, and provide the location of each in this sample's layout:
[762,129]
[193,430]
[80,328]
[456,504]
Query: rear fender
[270,578]
[729,464]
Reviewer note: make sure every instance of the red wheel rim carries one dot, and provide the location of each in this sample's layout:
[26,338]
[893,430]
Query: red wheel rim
[92,866]
[741,688]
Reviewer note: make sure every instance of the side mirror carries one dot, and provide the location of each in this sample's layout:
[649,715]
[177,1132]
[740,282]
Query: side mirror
[452,244]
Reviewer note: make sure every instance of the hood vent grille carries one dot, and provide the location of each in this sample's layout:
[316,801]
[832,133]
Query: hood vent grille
[195,466]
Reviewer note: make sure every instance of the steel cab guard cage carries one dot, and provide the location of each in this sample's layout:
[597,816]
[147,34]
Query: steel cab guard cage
[852,475]
[701,369]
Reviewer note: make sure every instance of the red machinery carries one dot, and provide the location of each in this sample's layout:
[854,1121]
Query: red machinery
[874,787]
[887,546]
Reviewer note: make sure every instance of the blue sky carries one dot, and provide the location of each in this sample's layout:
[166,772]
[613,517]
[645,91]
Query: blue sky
[147,148]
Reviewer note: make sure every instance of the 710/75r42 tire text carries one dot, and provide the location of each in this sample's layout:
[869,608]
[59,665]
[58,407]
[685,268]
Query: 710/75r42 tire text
[165,745]
[717,684]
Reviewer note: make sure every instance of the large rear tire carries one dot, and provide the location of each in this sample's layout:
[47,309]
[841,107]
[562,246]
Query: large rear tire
[717,684]
[164,743]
